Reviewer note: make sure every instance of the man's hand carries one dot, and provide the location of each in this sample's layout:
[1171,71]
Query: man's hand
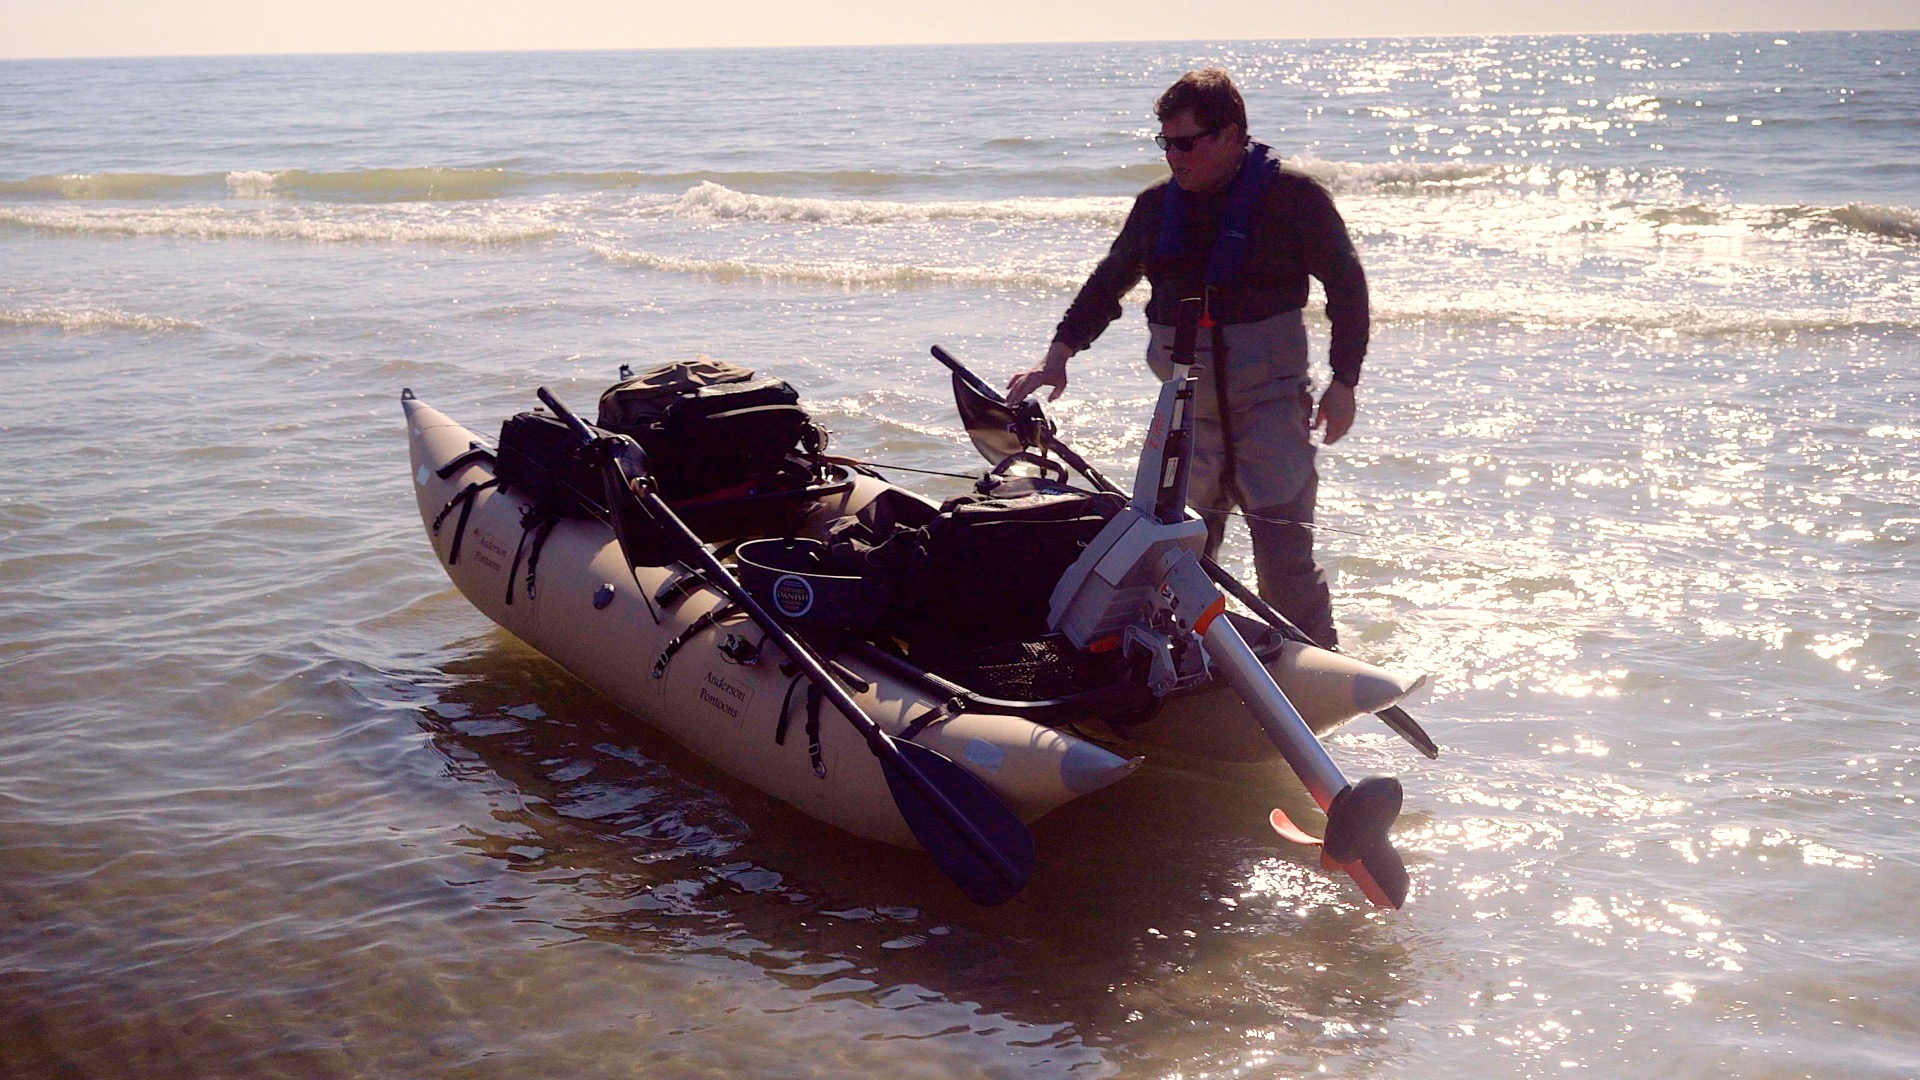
[1335,413]
[1051,372]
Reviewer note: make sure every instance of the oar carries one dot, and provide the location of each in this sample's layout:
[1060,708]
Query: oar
[1395,717]
[962,824]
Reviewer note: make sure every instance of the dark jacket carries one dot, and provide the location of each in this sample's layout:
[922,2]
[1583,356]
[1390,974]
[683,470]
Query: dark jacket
[1296,233]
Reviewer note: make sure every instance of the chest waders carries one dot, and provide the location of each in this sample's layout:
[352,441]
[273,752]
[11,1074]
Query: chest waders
[1225,260]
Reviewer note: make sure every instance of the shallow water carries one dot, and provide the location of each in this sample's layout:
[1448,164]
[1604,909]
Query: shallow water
[1635,479]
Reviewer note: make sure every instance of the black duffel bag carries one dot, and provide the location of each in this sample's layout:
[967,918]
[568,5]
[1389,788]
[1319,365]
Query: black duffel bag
[707,425]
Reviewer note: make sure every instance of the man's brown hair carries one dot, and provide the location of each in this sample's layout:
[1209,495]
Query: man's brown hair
[1209,94]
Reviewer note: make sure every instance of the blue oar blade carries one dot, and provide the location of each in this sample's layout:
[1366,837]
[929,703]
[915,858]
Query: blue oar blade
[990,861]
[1405,726]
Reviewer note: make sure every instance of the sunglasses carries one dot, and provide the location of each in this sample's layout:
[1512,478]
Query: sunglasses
[1185,143]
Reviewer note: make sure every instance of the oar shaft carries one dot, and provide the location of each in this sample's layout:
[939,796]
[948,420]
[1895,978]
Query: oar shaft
[802,655]
[979,385]
[1067,454]
[696,550]
[810,663]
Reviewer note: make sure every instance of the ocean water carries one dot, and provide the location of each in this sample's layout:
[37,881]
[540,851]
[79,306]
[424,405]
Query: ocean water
[1636,478]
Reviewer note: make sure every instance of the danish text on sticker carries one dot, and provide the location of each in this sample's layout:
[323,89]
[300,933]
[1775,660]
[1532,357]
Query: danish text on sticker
[792,595]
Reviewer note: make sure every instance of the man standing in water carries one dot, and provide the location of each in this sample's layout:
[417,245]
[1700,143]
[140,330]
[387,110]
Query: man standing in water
[1234,228]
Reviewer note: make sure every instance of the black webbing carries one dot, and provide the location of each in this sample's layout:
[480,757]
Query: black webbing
[815,696]
[464,501]
[786,706]
[951,707]
[473,454]
[533,557]
[705,619]
[538,527]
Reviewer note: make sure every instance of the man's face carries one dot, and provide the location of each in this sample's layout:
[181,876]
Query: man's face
[1212,161]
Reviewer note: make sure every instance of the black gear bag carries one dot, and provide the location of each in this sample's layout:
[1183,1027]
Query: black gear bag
[540,458]
[707,425]
[984,570]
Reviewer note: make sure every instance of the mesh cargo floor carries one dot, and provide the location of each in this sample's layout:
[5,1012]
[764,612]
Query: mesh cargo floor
[1028,670]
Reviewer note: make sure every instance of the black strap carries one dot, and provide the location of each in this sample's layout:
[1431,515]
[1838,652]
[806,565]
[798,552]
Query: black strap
[539,527]
[679,587]
[951,707]
[1229,475]
[815,696]
[513,572]
[464,501]
[705,620]
[786,704]
[475,452]
[828,653]
[533,557]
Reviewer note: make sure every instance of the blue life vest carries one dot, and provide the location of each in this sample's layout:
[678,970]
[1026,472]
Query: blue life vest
[1258,171]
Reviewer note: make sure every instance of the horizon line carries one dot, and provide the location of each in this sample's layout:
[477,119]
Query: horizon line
[819,46]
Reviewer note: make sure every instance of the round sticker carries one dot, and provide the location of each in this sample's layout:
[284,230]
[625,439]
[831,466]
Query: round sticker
[792,595]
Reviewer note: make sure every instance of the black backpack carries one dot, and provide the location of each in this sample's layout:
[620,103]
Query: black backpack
[708,425]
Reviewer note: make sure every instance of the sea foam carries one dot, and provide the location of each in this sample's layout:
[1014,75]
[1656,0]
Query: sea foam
[1400,177]
[1894,222]
[711,201]
[850,272]
[317,224]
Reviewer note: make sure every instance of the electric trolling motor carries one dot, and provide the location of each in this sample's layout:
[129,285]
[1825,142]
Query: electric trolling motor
[1140,586]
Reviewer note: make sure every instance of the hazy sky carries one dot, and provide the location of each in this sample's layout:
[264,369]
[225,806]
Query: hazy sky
[41,28]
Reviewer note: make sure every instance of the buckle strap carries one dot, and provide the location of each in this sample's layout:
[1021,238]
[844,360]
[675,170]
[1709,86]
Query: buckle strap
[815,696]
[947,709]
[539,528]
[702,622]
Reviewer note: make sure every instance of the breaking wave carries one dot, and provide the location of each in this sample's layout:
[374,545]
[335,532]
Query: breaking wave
[90,318]
[1439,177]
[1895,222]
[734,196]
[1576,312]
[109,186]
[438,183]
[843,272]
[712,201]
[287,223]
[383,185]
[426,184]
